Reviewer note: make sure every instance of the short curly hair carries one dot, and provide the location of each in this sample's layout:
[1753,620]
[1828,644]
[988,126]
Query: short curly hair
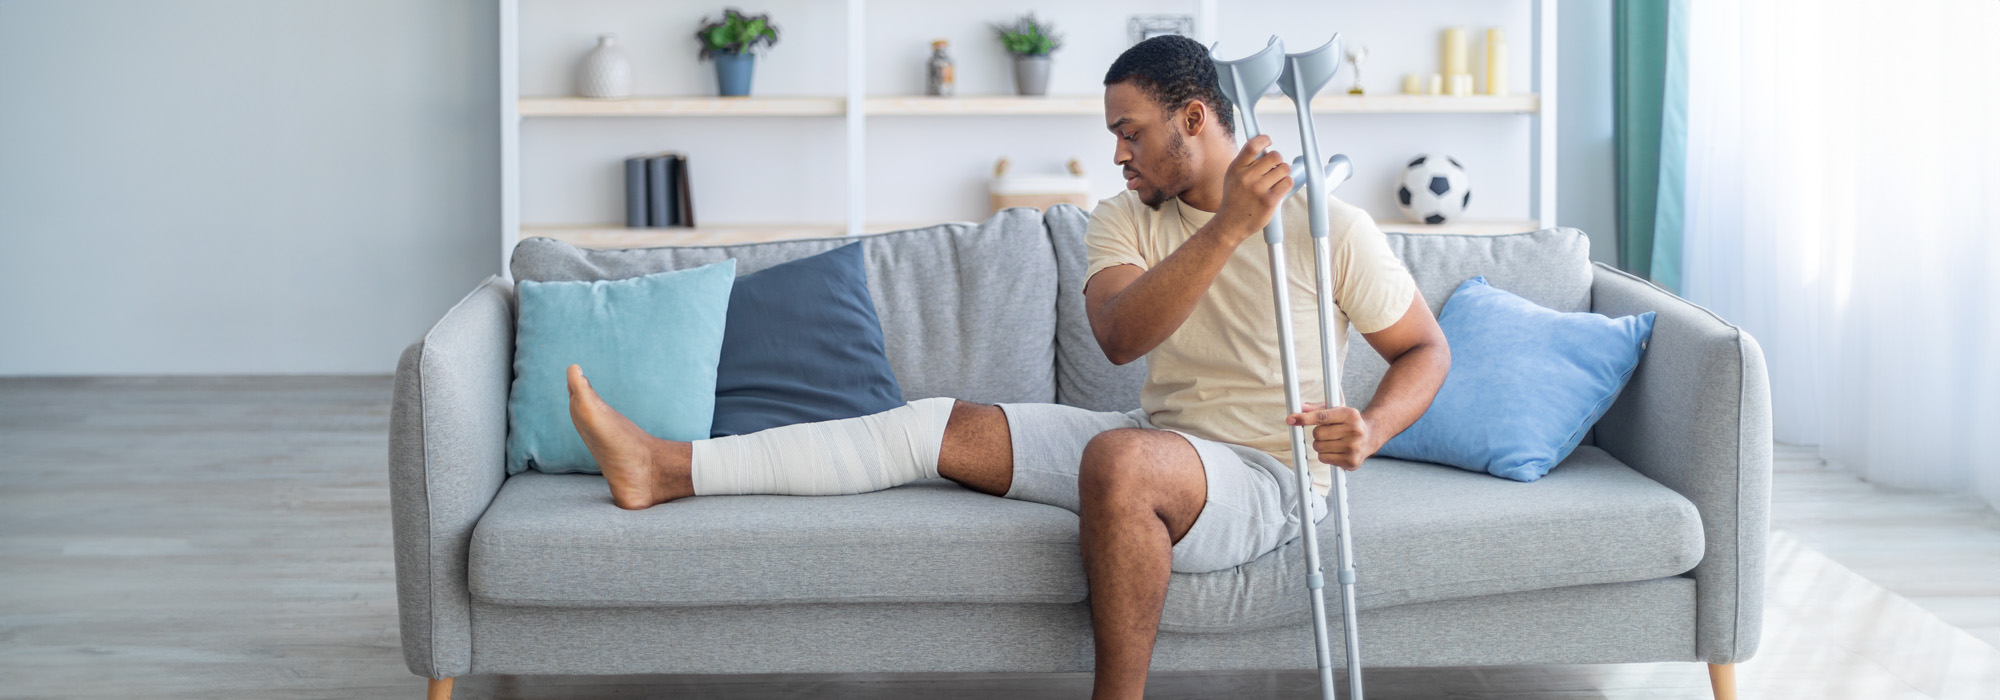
[1174,70]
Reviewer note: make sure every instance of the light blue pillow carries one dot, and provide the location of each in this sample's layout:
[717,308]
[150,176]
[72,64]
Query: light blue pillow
[1526,383]
[649,345]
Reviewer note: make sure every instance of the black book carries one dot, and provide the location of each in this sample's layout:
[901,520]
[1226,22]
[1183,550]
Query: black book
[635,192]
[660,191]
[683,197]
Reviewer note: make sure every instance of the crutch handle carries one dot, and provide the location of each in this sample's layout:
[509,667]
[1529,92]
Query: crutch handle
[1338,169]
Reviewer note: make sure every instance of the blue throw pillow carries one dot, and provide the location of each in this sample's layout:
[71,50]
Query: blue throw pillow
[1526,383]
[648,344]
[803,345]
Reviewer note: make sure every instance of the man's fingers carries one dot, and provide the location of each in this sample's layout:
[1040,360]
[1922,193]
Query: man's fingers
[1338,415]
[1280,189]
[1254,164]
[1343,460]
[1334,442]
[1251,149]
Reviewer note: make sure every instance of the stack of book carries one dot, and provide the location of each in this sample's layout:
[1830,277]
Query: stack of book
[656,191]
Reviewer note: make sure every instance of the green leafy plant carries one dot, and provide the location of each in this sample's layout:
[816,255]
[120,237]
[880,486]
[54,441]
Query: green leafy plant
[736,33]
[1028,36]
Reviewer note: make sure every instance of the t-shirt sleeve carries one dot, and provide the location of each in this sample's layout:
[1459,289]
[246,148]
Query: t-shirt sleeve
[1374,288]
[1112,239]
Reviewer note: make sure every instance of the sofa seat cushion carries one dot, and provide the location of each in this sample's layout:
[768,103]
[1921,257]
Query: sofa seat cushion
[557,540]
[1422,532]
[1428,532]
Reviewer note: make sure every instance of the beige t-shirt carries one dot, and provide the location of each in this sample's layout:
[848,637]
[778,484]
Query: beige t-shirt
[1219,375]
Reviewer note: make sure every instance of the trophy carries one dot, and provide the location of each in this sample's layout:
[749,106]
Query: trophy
[1356,56]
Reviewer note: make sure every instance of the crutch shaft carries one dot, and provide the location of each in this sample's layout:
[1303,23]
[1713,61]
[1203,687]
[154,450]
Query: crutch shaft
[1315,578]
[1343,542]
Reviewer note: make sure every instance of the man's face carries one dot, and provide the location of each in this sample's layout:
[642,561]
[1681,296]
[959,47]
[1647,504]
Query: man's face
[1151,150]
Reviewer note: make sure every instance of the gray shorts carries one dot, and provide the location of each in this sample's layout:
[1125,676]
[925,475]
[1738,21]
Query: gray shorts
[1252,503]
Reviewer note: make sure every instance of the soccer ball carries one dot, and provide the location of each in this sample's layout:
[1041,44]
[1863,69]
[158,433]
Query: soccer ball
[1433,189]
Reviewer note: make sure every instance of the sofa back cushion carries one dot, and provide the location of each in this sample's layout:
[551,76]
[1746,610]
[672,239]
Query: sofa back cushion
[1084,378]
[1550,267]
[967,310]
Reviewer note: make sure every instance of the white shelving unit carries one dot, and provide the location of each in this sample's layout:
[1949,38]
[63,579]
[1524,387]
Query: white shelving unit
[1538,106]
[989,106]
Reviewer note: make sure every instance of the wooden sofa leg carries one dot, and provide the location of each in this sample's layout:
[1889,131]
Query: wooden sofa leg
[1721,679]
[441,689]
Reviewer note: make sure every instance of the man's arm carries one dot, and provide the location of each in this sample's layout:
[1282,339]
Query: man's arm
[1132,311]
[1418,361]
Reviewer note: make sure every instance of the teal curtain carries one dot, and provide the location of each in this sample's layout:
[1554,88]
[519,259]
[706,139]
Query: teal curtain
[1650,50]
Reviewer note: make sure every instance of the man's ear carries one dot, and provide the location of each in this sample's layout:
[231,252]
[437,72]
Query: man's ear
[1195,118]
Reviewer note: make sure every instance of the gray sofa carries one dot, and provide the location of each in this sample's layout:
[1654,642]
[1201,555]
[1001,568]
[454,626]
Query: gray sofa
[1646,545]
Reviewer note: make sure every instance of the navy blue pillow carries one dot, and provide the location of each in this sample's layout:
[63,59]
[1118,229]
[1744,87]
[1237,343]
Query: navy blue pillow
[802,345]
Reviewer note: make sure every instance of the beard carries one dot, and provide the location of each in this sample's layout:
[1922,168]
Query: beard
[1174,169]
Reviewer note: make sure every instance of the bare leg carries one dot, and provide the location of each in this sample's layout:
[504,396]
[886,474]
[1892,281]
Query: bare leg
[643,470]
[978,450]
[1141,491]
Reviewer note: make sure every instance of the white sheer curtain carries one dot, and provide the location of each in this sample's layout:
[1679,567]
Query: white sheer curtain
[1843,206]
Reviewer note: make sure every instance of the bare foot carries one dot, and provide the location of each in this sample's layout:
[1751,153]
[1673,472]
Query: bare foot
[643,470]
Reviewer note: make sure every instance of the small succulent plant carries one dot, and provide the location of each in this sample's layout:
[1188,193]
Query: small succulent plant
[736,33]
[1028,36]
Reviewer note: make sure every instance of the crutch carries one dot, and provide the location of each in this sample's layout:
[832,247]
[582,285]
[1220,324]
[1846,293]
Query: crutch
[1305,73]
[1243,81]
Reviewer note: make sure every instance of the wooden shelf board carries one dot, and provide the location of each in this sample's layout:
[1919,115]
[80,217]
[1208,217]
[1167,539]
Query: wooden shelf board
[614,236]
[683,107]
[992,105]
[1476,227]
[1411,104]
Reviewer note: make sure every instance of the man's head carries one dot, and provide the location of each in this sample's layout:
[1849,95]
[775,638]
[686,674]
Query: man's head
[1159,95]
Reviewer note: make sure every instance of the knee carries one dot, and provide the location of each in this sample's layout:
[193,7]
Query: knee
[969,412]
[1114,465]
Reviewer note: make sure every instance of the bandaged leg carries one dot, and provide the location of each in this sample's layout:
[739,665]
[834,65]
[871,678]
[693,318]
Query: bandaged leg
[831,458]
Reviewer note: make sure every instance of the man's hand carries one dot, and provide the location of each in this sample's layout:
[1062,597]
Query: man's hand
[1252,188]
[1340,434]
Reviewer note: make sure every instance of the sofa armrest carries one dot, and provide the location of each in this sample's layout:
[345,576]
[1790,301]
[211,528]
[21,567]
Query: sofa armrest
[1696,417]
[447,459]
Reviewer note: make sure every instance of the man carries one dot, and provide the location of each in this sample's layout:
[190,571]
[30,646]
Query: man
[1194,481]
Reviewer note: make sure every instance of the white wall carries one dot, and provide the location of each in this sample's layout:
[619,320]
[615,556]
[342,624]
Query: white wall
[242,186]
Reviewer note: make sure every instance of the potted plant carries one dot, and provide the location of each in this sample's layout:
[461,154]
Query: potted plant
[1031,41]
[729,42]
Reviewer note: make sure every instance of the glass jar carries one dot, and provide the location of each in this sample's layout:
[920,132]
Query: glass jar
[940,78]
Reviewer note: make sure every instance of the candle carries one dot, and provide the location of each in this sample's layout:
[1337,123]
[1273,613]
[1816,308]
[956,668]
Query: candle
[1496,63]
[1454,51]
[1435,86]
[1461,84]
[1413,84]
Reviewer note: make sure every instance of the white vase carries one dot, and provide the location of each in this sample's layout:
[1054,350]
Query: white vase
[605,72]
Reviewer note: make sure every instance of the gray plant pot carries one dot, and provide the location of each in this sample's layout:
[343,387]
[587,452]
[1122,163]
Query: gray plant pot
[1031,75]
[732,72]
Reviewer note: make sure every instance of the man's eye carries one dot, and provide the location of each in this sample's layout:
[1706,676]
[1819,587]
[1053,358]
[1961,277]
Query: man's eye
[1129,137]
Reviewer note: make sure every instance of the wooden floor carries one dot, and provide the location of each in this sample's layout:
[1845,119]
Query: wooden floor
[229,538]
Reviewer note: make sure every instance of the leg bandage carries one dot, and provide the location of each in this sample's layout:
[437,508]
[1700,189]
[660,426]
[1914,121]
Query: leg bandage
[851,455]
